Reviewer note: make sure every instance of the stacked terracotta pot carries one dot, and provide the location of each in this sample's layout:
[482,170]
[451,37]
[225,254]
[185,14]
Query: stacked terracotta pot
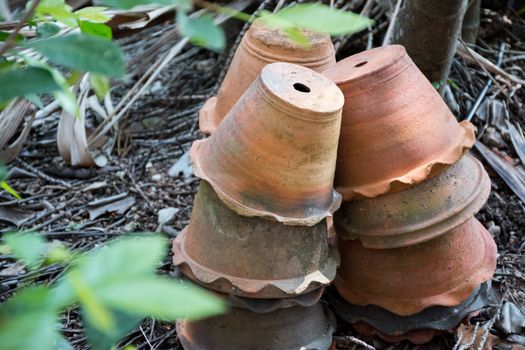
[258,233]
[414,260]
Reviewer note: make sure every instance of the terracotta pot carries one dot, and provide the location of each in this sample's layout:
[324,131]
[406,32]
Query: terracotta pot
[274,154]
[252,257]
[396,130]
[440,272]
[241,329]
[259,47]
[419,213]
[433,318]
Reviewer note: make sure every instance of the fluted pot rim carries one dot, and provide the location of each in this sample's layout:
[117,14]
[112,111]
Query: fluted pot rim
[254,288]
[378,235]
[416,175]
[405,306]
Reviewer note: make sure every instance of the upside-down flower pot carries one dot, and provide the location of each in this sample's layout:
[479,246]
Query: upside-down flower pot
[440,272]
[260,46]
[419,213]
[418,328]
[252,257]
[396,130]
[240,329]
[274,154]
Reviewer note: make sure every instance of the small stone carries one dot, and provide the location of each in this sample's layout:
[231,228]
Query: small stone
[156,177]
[494,229]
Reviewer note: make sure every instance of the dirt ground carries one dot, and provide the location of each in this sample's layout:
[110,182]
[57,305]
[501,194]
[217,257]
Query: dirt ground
[160,127]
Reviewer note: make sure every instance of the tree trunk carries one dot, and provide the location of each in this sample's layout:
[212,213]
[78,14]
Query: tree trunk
[429,30]
[470,28]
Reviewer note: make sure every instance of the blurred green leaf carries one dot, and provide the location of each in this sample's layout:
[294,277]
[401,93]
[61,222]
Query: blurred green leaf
[202,31]
[93,13]
[26,246]
[298,36]
[34,99]
[3,172]
[100,84]
[162,298]
[47,29]
[103,340]
[95,29]
[57,9]
[82,52]
[127,4]
[96,313]
[28,321]
[4,35]
[23,81]
[318,18]
[6,187]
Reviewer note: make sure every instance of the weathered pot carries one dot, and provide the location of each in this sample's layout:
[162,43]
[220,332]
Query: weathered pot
[396,130]
[274,154]
[433,318]
[241,329]
[440,272]
[252,257]
[419,213]
[259,47]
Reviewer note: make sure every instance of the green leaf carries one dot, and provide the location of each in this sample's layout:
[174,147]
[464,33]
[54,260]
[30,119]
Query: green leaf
[34,99]
[93,13]
[6,187]
[45,30]
[100,340]
[100,84]
[162,298]
[4,35]
[298,36]
[3,172]
[82,52]
[28,321]
[95,29]
[318,18]
[202,31]
[96,313]
[57,9]
[23,81]
[26,246]
[127,4]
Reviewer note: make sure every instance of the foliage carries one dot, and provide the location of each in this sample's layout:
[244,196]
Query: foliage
[91,50]
[115,286]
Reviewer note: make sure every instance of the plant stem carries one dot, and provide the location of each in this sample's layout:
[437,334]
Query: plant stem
[9,43]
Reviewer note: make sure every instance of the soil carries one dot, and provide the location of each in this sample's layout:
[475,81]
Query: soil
[160,127]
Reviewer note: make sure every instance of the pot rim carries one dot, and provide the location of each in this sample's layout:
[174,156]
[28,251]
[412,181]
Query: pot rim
[412,305]
[416,175]
[253,288]
[423,231]
[207,123]
[245,210]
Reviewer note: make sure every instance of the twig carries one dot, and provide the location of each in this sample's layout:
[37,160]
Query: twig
[354,340]
[487,86]
[390,30]
[12,36]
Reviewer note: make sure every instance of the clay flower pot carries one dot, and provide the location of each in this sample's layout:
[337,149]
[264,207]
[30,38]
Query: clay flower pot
[440,272]
[396,130]
[419,213]
[252,257]
[274,154]
[415,337]
[438,318]
[241,329]
[259,47]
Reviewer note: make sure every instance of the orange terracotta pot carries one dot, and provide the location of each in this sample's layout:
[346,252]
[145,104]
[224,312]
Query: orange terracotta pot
[274,154]
[259,47]
[252,257]
[396,130]
[440,272]
[419,213]
[283,329]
